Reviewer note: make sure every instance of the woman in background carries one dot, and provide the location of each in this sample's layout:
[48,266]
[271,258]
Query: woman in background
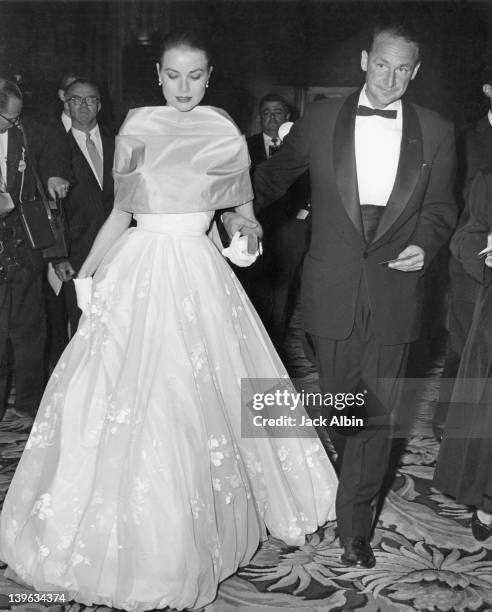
[464,468]
[136,489]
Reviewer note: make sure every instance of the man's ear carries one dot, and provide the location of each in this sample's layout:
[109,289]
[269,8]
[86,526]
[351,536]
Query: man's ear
[61,95]
[364,57]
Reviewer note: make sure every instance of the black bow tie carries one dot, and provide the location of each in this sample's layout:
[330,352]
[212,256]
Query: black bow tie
[365,111]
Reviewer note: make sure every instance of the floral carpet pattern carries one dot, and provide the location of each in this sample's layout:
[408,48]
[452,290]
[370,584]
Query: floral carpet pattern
[426,556]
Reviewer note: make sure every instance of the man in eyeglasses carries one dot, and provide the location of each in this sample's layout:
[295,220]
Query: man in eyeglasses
[91,197]
[22,316]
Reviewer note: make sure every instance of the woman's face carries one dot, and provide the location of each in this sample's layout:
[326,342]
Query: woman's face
[184,73]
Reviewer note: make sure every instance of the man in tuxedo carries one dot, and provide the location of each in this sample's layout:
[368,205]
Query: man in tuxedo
[382,174]
[90,199]
[476,155]
[22,316]
[273,280]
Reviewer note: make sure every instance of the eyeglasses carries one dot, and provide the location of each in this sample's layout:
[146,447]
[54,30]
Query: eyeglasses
[13,121]
[78,100]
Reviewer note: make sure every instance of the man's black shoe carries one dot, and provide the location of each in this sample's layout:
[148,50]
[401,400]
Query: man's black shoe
[358,552]
[481,531]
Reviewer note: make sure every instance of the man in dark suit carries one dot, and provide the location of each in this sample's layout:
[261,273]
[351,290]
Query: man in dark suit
[272,281]
[382,173]
[476,155]
[90,199]
[22,316]
[56,311]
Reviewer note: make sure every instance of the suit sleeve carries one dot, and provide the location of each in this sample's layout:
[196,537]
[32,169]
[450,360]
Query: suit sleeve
[438,214]
[50,149]
[272,178]
[471,235]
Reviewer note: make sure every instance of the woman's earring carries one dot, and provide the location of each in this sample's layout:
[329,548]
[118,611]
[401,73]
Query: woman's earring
[206,84]
[159,82]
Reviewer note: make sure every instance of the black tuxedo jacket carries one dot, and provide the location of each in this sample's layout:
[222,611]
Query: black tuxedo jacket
[87,206]
[50,155]
[421,211]
[256,148]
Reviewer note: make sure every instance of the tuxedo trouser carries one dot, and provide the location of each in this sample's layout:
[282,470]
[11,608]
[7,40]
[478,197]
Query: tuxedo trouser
[353,365]
[23,323]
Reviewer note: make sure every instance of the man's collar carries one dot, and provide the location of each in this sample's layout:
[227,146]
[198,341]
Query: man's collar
[92,132]
[67,121]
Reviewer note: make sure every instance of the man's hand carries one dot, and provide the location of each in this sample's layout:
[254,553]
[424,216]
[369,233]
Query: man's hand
[58,187]
[410,259]
[234,222]
[64,271]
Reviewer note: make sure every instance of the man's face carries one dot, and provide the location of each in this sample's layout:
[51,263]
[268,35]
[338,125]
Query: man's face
[389,66]
[82,103]
[9,117]
[272,115]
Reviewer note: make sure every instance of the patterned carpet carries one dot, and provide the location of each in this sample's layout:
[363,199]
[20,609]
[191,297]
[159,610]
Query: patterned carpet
[426,556]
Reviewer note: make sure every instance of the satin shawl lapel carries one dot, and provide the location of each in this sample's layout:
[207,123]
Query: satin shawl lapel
[344,160]
[408,173]
[14,155]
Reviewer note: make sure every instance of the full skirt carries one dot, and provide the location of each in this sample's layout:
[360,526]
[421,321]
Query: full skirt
[137,489]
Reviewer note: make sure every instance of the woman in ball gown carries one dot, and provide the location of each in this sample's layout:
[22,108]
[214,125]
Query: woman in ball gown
[138,488]
[464,467]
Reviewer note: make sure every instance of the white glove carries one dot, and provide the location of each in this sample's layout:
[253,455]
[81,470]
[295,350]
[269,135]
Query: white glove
[83,289]
[237,251]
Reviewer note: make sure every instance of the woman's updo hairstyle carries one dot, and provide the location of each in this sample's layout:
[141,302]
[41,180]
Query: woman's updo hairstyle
[194,39]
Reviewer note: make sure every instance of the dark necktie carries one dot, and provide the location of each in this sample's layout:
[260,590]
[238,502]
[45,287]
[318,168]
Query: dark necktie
[366,111]
[274,147]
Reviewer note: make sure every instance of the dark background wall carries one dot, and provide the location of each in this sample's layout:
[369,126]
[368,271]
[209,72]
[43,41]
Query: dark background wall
[259,45]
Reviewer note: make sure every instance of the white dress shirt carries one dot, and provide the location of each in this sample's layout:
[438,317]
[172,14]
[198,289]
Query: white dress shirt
[268,142]
[377,153]
[81,138]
